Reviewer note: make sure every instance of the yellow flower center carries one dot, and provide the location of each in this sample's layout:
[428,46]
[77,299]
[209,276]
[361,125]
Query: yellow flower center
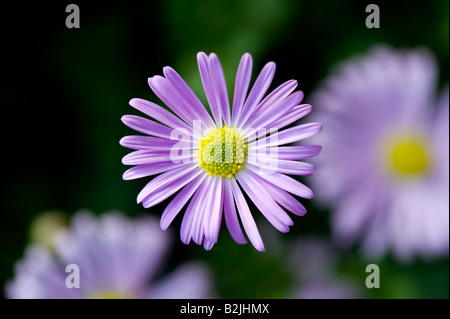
[223,152]
[109,294]
[408,157]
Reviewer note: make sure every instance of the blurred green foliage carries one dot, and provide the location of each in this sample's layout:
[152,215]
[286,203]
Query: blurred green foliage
[68,88]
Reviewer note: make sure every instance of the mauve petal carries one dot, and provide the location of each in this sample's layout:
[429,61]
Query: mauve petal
[298,152]
[265,118]
[180,200]
[163,192]
[290,135]
[220,87]
[282,166]
[281,106]
[146,126]
[285,182]
[189,95]
[208,245]
[256,94]
[246,217]
[265,203]
[168,94]
[277,95]
[145,170]
[208,86]
[159,113]
[155,156]
[231,218]
[202,212]
[214,216]
[296,113]
[187,225]
[242,83]
[165,179]
[282,197]
[138,142]
[147,157]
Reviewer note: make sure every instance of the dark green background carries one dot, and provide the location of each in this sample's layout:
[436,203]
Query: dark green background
[65,90]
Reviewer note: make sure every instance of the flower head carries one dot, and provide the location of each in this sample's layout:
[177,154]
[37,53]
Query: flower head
[210,158]
[117,258]
[386,158]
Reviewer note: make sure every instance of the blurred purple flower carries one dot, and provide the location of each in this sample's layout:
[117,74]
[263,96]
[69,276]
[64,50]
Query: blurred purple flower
[385,165]
[117,258]
[222,151]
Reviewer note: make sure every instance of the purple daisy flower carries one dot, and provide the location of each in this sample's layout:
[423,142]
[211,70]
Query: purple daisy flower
[385,166]
[210,158]
[117,258]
